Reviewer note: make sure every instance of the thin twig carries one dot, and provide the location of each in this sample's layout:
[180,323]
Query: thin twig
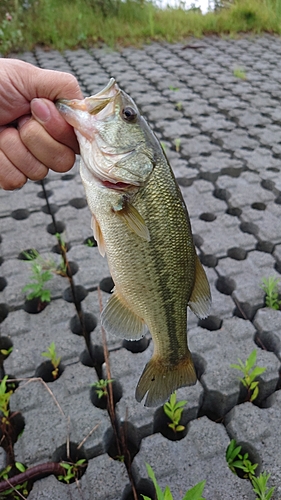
[119,432]
[62,248]
[67,438]
[88,435]
[239,307]
[37,379]
[110,406]
[13,487]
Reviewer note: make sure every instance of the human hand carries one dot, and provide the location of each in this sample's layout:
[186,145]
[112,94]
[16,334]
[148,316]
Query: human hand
[33,135]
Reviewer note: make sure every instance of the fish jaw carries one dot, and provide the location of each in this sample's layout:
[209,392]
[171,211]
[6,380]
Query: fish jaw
[84,114]
[96,120]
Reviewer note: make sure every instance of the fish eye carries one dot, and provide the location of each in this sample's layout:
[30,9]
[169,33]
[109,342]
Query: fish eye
[129,114]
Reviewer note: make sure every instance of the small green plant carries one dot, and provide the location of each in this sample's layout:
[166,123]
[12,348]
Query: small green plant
[72,470]
[39,277]
[175,89]
[173,410]
[249,374]
[52,355]
[260,487]
[178,106]
[236,460]
[239,73]
[6,352]
[164,147]
[177,143]
[90,243]
[62,268]
[5,395]
[21,488]
[270,287]
[194,493]
[101,387]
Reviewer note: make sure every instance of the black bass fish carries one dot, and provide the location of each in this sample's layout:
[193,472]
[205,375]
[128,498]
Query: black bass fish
[141,223]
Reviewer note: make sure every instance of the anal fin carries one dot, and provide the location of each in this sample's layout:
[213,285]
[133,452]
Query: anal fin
[117,319]
[200,300]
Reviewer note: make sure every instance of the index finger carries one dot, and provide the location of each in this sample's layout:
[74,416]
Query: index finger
[23,82]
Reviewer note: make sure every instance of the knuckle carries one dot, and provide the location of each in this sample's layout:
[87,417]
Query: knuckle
[29,132]
[7,137]
[65,161]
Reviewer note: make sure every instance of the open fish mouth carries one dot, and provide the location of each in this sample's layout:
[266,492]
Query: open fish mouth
[88,117]
[94,105]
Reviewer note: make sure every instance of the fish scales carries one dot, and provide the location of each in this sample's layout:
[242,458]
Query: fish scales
[153,273]
[141,222]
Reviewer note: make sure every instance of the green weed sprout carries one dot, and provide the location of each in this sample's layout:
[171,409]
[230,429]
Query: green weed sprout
[71,470]
[178,106]
[101,387]
[6,352]
[236,460]
[194,493]
[173,410]
[270,287]
[21,488]
[62,269]
[90,243]
[40,275]
[249,374]
[260,487]
[239,73]
[177,143]
[52,355]
[5,400]
[175,89]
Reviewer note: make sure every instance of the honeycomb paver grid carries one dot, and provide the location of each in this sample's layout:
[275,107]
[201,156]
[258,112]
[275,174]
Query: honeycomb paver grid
[228,167]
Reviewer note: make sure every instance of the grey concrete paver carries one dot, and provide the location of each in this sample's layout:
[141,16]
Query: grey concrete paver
[260,429]
[228,168]
[203,450]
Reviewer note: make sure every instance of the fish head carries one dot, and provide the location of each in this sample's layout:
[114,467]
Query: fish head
[117,147]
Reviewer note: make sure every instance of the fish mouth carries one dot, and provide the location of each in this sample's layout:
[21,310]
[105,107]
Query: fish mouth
[118,186]
[87,116]
[94,105]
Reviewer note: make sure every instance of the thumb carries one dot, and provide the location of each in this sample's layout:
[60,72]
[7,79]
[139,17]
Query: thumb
[45,112]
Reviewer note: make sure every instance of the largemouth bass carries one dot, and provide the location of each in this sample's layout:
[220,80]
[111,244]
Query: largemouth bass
[141,223]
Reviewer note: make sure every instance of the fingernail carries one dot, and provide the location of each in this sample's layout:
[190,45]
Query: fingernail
[40,110]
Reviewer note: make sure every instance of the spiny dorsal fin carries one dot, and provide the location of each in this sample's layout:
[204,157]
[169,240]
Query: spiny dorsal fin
[200,300]
[117,319]
[98,235]
[133,219]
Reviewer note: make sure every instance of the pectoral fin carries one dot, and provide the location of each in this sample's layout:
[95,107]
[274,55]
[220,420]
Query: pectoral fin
[98,235]
[118,319]
[200,300]
[132,218]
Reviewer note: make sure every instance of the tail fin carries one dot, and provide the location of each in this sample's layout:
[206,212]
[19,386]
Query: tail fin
[159,379]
